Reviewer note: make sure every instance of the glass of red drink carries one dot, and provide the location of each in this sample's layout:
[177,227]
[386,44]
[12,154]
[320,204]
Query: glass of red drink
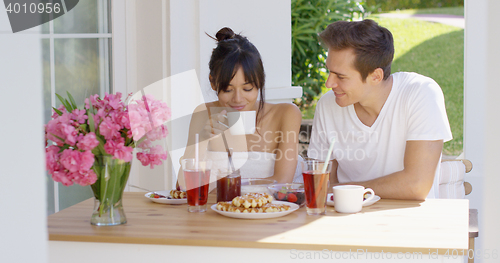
[316,185]
[228,185]
[197,178]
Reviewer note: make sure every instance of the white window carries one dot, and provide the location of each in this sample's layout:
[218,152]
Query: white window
[76,58]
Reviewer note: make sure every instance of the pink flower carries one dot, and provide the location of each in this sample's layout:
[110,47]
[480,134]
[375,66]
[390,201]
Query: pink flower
[76,161]
[88,142]
[114,101]
[70,134]
[62,177]
[93,99]
[152,158]
[85,179]
[55,129]
[52,158]
[79,116]
[86,161]
[109,129]
[119,150]
[147,114]
[70,160]
[157,133]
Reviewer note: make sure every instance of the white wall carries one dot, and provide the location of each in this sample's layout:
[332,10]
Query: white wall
[482,127]
[166,38]
[23,227]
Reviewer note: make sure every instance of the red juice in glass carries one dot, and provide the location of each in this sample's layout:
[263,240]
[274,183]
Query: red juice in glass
[197,182]
[228,187]
[316,189]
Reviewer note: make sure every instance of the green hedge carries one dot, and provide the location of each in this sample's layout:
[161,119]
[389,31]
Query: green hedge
[390,5]
[309,17]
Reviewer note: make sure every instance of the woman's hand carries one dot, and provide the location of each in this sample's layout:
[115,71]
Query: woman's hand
[215,125]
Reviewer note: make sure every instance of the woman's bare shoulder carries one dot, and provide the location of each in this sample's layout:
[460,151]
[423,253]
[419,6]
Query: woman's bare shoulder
[285,114]
[288,110]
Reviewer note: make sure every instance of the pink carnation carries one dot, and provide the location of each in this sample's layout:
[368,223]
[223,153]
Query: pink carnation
[116,122]
[119,150]
[85,179]
[76,161]
[62,177]
[114,101]
[146,114]
[70,160]
[86,161]
[157,133]
[58,128]
[52,159]
[79,116]
[88,142]
[109,129]
[152,158]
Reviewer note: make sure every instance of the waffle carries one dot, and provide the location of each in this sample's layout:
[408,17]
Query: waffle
[267,208]
[252,200]
[176,194]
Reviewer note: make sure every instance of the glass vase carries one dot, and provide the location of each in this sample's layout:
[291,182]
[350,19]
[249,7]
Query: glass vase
[112,175]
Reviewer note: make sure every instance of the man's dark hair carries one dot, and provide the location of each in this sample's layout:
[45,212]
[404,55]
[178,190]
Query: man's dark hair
[373,45]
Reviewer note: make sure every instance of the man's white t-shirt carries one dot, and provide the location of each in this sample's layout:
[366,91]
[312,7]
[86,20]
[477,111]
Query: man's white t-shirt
[414,110]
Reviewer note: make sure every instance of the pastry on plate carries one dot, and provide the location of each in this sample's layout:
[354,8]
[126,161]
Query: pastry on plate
[176,194]
[252,200]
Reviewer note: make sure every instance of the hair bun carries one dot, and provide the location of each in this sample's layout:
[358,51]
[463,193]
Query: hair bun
[224,33]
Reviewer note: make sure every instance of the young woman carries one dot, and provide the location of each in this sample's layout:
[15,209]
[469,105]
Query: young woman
[237,76]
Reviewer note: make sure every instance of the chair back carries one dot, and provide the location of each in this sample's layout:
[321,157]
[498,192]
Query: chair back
[452,183]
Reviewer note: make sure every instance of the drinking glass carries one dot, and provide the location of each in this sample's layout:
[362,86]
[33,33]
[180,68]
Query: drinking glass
[228,185]
[197,178]
[316,185]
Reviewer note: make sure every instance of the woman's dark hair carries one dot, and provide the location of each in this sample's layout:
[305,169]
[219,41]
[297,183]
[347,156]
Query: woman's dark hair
[372,44]
[233,52]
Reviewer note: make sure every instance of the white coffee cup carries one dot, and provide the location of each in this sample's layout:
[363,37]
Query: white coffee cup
[241,122]
[349,198]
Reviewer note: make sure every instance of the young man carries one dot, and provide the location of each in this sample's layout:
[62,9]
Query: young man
[389,128]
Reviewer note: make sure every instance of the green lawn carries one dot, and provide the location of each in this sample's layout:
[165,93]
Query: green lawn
[434,50]
[457,11]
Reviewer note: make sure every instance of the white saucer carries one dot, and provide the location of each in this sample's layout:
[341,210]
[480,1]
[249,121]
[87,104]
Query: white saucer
[371,202]
[170,201]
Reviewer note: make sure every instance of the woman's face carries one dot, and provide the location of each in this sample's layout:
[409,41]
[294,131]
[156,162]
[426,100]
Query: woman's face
[240,95]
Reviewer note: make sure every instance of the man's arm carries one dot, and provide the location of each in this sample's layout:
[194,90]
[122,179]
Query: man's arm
[415,180]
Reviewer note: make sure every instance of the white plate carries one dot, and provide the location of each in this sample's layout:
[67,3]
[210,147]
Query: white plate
[373,201]
[293,207]
[165,200]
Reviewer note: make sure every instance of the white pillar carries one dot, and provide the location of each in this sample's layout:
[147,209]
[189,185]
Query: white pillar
[482,123]
[23,202]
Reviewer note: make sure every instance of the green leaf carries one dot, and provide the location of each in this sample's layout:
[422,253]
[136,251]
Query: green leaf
[57,111]
[90,114]
[65,103]
[73,103]
[61,139]
[91,121]
[66,146]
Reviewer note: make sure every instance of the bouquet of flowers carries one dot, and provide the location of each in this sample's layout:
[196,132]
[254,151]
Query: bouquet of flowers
[106,129]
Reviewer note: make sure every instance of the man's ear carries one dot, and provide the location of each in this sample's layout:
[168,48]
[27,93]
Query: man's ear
[376,76]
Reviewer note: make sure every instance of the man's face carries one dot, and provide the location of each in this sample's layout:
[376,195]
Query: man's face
[344,80]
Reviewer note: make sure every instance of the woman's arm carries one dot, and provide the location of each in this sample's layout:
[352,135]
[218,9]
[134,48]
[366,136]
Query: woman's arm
[287,151]
[207,127]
